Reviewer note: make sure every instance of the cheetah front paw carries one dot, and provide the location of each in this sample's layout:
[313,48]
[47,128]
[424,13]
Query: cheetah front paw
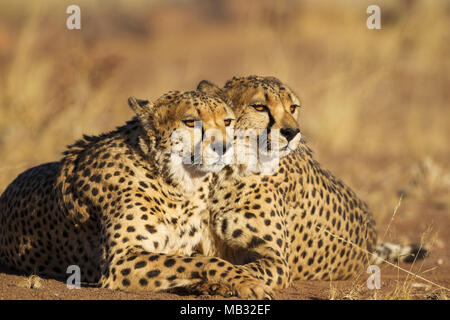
[212,288]
[252,289]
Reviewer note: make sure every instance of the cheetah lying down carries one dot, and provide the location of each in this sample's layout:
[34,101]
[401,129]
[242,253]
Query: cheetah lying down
[299,223]
[118,206]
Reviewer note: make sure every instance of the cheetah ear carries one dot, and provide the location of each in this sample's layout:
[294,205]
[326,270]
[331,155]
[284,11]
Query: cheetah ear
[208,87]
[144,112]
[140,107]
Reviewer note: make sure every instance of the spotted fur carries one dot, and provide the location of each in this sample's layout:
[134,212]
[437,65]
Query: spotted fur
[117,206]
[299,223]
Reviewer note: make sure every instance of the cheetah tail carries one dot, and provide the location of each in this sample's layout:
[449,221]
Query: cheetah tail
[392,252]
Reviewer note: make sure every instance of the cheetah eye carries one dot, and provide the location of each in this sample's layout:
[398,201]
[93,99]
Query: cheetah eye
[259,107]
[189,123]
[293,108]
[227,122]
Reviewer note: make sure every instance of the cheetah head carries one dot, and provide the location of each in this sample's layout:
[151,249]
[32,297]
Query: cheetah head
[267,107]
[188,134]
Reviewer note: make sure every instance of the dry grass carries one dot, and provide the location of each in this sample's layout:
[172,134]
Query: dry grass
[376,102]
[398,292]
[403,289]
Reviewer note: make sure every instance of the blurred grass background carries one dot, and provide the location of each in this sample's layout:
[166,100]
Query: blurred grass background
[376,102]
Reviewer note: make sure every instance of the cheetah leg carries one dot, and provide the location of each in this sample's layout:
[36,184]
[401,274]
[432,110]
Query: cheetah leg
[261,249]
[139,270]
[274,272]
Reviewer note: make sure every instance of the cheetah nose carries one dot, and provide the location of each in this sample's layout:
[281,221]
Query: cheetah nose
[289,133]
[220,148]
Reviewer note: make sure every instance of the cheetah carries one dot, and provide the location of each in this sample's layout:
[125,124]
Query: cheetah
[300,222]
[122,208]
